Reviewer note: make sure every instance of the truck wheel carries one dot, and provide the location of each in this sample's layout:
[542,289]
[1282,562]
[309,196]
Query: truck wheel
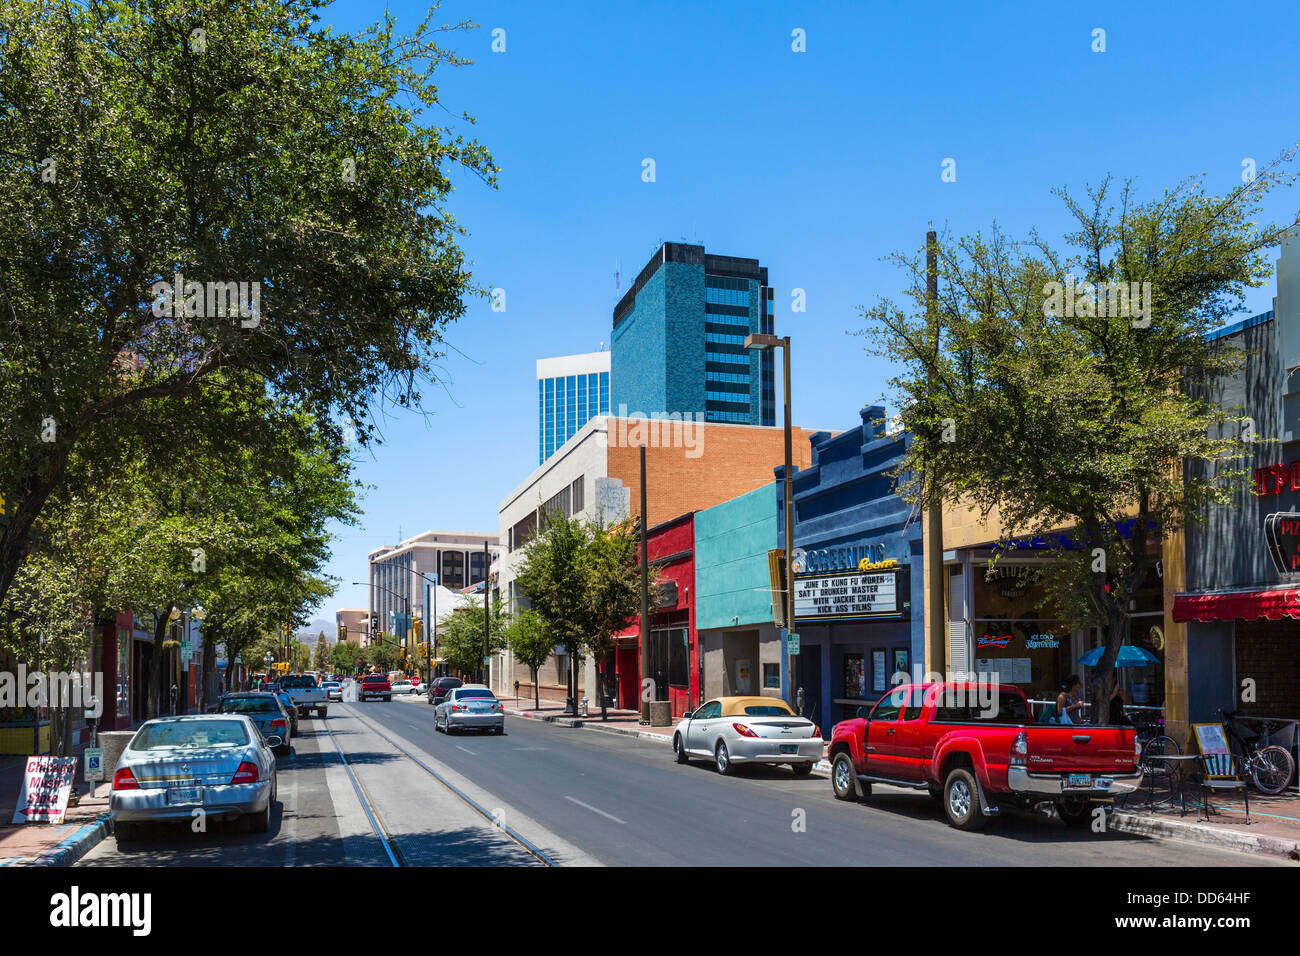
[961,800]
[322,712]
[842,777]
[1076,814]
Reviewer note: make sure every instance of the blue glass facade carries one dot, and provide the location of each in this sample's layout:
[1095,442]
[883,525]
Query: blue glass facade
[679,334]
[564,404]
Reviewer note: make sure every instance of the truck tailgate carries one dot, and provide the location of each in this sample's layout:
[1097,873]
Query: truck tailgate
[1079,747]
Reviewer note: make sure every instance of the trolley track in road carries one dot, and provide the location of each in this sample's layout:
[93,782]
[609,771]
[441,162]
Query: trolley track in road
[382,832]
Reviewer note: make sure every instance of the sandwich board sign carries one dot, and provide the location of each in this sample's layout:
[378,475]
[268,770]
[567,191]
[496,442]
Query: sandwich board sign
[47,783]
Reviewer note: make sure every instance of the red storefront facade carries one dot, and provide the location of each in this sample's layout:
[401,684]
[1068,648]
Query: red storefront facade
[674,644]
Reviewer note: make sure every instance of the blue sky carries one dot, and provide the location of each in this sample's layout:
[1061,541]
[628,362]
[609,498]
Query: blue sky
[816,163]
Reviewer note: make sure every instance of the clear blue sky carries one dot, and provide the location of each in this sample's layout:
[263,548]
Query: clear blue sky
[816,163]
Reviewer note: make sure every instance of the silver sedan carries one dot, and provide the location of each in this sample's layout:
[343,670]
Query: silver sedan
[219,764]
[472,707]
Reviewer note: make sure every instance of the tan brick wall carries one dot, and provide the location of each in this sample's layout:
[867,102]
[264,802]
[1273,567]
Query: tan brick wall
[733,460]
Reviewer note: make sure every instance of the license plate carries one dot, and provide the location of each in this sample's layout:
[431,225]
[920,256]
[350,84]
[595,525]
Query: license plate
[789,748]
[1079,780]
[183,795]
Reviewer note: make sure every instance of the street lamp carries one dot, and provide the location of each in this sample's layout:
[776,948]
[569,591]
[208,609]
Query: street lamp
[762,342]
[269,658]
[431,625]
[406,600]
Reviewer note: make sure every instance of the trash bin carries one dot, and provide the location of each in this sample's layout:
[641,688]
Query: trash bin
[113,742]
[661,713]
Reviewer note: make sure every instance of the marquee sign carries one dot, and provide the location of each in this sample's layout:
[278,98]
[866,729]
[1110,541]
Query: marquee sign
[849,595]
[1282,532]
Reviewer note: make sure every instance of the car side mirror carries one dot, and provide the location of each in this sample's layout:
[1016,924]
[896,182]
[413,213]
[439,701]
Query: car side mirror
[275,740]
[864,713]
[688,715]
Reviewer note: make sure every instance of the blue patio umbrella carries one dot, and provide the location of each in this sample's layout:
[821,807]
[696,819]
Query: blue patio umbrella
[1129,656]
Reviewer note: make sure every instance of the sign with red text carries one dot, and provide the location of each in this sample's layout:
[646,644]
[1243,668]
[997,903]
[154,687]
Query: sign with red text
[47,783]
[1282,532]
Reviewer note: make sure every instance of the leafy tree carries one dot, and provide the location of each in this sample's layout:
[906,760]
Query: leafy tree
[613,592]
[462,646]
[383,656]
[224,143]
[1082,418]
[531,644]
[321,657]
[346,658]
[583,581]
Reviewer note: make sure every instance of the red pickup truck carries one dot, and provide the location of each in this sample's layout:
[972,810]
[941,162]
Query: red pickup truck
[975,748]
[375,685]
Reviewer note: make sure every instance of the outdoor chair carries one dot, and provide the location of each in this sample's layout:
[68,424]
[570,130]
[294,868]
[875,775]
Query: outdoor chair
[1218,773]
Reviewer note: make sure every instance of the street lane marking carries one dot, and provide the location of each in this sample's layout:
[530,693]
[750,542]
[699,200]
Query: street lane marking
[588,806]
[467,750]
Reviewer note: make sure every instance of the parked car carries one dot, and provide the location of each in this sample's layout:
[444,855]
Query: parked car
[375,685]
[219,763]
[333,689]
[735,730]
[286,703]
[975,748]
[265,710]
[470,707]
[439,687]
[402,686]
[307,694]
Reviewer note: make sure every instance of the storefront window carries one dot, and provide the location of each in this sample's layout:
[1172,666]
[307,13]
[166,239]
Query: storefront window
[1015,642]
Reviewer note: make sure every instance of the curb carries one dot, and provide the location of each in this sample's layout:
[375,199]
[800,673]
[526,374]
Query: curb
[74,847]
[588,724]
[1195,833]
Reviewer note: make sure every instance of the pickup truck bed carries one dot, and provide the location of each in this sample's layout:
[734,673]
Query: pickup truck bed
[975,748]
[306,694]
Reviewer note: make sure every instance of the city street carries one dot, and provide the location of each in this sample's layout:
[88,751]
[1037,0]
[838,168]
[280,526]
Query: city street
[583,798]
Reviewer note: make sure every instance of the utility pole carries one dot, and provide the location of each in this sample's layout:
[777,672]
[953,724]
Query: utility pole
[645,602]
[487,615]
[937,637]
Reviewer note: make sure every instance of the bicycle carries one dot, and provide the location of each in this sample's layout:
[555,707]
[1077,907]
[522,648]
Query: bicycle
[1271,767]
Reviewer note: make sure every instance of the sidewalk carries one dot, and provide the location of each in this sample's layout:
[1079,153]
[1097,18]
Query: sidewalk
[1273,830]
[626,722]
[47,844]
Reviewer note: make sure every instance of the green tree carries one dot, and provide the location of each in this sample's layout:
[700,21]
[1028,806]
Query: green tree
[346,658]
[141,140]
[582,579]
[531,644]
[383,656]
[321,656]
[1082,418]
[462,646]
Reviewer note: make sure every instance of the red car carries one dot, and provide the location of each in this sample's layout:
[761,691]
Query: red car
[975,748]
[375,685]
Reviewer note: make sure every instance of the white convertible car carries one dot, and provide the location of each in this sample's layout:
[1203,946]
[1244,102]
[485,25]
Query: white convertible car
[736,730]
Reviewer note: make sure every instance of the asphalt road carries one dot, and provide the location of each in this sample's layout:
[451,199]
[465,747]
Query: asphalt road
[588,798]
[626,802]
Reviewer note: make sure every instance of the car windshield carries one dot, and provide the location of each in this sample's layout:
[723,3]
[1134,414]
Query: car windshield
[190,735]
[462,694]
[248,705]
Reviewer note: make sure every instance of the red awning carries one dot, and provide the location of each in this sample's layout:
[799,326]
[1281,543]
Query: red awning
[1248,605]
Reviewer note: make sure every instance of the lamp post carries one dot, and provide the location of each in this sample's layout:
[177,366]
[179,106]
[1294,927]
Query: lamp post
[406,600]
[764,341]
[431,622]
[269,658]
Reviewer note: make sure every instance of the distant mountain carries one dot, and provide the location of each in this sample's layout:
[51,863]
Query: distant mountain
[309,633]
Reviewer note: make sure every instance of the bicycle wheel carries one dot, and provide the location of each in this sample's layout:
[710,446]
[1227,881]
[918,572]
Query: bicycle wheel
[1159,746]
[1271,769]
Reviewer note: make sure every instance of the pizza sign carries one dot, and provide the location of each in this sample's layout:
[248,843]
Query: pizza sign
[1282,532]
